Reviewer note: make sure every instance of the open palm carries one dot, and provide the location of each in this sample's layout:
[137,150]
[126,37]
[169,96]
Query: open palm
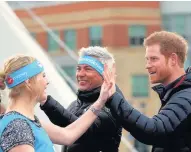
[108,86]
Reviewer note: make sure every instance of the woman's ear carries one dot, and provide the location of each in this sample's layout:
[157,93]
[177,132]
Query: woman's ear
[28,83]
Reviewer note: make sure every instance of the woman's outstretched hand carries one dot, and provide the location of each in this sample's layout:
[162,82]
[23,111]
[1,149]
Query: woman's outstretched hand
[108,86]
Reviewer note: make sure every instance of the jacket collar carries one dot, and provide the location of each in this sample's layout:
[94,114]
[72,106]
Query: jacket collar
[89,96]
[184,82]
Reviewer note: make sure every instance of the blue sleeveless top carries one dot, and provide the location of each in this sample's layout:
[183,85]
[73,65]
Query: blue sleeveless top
[16,129]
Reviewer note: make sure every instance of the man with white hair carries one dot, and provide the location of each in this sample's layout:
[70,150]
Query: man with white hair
[105,134]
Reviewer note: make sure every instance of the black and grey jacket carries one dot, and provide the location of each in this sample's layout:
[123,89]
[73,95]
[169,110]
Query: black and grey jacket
[170,129]
[105,133]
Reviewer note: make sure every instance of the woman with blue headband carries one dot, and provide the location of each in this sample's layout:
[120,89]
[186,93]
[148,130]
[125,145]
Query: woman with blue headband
[20,129]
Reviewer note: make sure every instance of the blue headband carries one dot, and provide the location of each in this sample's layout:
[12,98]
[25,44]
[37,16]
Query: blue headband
[93,62]
[24,73]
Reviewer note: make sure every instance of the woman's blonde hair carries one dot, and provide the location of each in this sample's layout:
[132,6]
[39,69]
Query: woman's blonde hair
[12,64]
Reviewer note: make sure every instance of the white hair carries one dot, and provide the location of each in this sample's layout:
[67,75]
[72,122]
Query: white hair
[101,53]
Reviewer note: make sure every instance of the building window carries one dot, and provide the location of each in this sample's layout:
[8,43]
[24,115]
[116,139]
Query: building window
[70,38]
[140,86]
[187,27]
[166,20]
[95,35]
[175,23]
[52,44]
[137,33]
[178,24]
[70,71]
[187,63]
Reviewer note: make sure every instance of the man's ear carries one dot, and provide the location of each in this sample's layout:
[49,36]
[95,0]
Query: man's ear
[174,59]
